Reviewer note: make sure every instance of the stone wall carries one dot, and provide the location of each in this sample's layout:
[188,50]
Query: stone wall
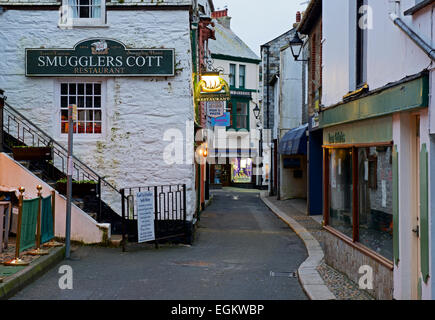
[348,260]
[274,66]
[137,111]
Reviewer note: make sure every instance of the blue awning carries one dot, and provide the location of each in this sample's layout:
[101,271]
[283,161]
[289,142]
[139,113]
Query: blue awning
[294,142]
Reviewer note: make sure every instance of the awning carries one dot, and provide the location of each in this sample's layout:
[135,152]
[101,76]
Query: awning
[294,142]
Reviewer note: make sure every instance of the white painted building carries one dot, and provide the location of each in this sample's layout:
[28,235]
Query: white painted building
[123,137]
[377,107]
[235,149]
[291,184]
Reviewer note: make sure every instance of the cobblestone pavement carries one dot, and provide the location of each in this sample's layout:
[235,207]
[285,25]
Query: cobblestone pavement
[339,284]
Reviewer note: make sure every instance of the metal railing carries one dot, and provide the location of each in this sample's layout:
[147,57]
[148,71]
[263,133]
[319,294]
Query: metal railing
[25,132]
[170,211]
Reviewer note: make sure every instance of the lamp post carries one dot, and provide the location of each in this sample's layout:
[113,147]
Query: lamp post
[257,116]
[296,45]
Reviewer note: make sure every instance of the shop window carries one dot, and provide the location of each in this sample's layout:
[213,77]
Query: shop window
[242,76]
[375,199]
[340,191]
[84,12]
[241,170]
[88,98]
[232,75]
[366,215]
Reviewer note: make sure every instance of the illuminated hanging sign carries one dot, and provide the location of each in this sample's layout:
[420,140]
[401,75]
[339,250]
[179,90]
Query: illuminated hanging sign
[100,58]
[212,87]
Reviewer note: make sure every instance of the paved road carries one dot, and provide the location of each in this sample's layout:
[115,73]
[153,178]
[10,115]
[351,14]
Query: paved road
[239,243]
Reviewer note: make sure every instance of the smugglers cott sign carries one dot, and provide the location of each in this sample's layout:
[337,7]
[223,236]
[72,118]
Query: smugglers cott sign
[100,57]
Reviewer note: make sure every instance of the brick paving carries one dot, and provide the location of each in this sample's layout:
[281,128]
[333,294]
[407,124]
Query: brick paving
[339,284]
[9,254]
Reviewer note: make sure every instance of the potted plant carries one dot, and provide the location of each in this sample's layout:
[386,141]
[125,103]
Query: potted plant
[31,153]
[80,189]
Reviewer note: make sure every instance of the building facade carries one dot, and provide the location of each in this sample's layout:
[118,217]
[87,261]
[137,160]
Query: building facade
[375,106]
[270,65]
[131,79]
[234,149]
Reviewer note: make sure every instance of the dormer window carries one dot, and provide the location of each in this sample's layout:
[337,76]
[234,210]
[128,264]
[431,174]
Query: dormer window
[84,13]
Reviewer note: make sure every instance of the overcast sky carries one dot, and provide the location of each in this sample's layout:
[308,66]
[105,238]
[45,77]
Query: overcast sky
[259,21]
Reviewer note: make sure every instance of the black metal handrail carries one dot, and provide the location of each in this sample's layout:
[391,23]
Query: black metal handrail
[26,132]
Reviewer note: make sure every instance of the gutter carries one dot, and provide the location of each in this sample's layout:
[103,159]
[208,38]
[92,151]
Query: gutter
[413,36]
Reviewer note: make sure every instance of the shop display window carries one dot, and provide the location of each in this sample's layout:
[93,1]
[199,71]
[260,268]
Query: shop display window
[375,195]
[241,170]
[340,190]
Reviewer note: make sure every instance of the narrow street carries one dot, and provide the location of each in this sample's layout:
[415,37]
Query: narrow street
[242,251]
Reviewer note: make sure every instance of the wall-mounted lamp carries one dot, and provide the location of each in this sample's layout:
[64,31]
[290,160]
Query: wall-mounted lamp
[256,112]
[296,46]
[202,151]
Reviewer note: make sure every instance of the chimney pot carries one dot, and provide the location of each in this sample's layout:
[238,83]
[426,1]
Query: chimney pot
[298,17]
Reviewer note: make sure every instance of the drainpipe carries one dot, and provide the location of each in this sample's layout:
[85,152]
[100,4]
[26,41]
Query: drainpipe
[413,36]
[2,104]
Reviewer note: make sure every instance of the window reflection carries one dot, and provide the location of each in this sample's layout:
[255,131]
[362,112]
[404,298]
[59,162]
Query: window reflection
[340,190]
[375,185]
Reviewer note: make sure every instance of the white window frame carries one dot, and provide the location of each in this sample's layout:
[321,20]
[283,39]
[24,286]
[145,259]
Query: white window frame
[57,130]
[68,21]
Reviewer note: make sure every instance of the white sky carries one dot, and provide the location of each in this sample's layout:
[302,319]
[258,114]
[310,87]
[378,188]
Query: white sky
[259,21]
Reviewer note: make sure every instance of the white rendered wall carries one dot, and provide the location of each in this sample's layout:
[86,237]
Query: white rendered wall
[290,92]
[83,227]
[391,54]
[138,110]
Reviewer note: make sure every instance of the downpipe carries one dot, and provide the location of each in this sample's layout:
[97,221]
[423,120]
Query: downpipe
[413,36]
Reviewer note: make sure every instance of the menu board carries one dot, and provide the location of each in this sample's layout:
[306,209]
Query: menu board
[145,216]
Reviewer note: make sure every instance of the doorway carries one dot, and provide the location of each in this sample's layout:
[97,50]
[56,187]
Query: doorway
[415,174]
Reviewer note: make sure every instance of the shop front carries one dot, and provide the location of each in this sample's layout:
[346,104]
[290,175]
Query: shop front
[375,199]
[236,172]
[358,198]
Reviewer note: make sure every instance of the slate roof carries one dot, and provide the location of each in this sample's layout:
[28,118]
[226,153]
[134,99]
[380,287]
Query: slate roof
[229,44]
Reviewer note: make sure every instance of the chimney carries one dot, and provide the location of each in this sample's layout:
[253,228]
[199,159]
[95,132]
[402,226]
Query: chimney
[298,19]
[222,18]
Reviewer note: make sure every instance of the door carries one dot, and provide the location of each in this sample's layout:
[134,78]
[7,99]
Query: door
[416,255]
[226,175]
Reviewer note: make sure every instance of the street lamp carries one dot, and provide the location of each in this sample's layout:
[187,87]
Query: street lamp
[296,46]
[256,112]
[257,116]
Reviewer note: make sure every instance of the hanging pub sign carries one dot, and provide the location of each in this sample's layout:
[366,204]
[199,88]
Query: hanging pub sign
[212,87]
[100,57]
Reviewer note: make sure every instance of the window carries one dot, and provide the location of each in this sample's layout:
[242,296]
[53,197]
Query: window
[242,115]
[375,185]
[340,191]
[84,12]
[361,44]
[360,196]
[242,74]
[232,75]
[239,114]
[88,98]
